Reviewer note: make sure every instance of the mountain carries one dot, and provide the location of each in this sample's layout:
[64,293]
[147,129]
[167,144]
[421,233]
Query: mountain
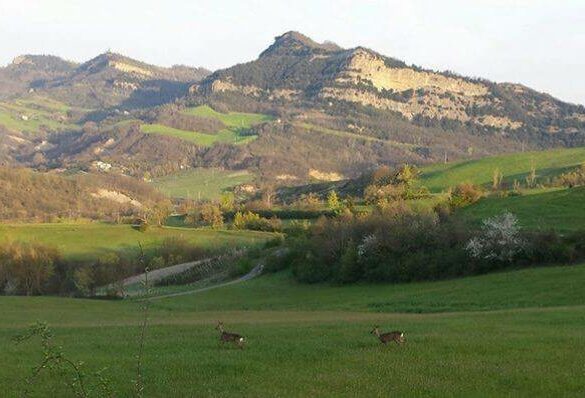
[27,72]
[110,80]
[295,69]
[328,113]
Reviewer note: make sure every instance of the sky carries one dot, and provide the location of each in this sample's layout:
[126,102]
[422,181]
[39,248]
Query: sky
[539,43]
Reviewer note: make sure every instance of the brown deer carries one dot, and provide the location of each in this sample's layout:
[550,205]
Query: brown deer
[396,336]
[226,337]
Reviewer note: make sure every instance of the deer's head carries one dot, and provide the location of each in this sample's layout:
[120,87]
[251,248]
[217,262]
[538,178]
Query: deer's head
[219,326]
[376,330]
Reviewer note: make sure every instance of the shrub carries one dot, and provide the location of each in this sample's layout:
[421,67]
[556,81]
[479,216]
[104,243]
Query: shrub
[253,221]
[572,179]
[205,215]
[465,194]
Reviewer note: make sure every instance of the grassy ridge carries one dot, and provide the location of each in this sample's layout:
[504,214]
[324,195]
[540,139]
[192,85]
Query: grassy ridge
[236,122]
[515,166]
[87,241]
[200,183]
[512,352]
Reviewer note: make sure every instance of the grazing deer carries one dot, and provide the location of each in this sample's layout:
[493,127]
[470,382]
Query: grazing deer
[225,337]
[384,338]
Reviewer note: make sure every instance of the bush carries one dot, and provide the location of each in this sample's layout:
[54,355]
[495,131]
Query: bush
[205,215]
[465,194]
[242,266]
[176,250]
[254,222]
[27,268]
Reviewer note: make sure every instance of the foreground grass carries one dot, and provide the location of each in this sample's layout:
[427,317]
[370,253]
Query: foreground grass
[88,241]
[535,287]
[516,351]
[515,166]
[201,183]
[559,209]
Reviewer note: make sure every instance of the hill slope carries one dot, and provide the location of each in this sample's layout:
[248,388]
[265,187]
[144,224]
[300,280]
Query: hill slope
[362,93]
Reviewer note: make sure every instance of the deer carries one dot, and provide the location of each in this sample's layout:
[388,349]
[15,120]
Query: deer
[396,336]
[226,337]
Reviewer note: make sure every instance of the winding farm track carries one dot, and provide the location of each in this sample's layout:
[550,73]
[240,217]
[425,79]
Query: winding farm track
[257,270]
[158,274]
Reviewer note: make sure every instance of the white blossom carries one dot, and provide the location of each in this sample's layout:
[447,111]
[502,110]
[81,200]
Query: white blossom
[499,239]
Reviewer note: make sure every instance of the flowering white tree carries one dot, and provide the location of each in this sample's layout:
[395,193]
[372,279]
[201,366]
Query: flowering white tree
[499,239]
[368,245]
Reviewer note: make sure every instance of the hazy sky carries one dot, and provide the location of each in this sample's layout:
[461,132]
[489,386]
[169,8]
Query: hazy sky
[540,43]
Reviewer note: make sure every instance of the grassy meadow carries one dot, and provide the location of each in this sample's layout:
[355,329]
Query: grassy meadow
[201,183]
[508,334]
[517,166]
[79,241]
[548,208]
[236,124]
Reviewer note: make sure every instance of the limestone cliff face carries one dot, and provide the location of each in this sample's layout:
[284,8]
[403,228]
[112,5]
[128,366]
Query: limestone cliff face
[366,65]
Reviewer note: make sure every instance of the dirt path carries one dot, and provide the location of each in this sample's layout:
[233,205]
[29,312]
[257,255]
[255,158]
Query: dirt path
[257,270]
[158,274]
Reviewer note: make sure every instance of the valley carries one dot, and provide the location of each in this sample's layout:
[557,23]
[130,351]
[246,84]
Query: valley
[302,198]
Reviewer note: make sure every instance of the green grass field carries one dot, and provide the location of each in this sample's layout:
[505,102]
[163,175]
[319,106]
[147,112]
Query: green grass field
[87,241]
[515,166]
[517,333]
[201,183]
[40,111]
[236,124]
[560,209]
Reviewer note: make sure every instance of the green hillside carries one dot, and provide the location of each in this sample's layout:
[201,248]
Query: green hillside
[30,114]
[235,133]
[515,166]
[88,241]
[561,209]
[201,183]
[230,119]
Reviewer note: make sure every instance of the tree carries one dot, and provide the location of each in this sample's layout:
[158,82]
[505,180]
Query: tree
[27,267]
[407,175]
[227,201]
[333,201]
[159,213]
[531,177]
[497,178]
[207,214]
[499,239]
